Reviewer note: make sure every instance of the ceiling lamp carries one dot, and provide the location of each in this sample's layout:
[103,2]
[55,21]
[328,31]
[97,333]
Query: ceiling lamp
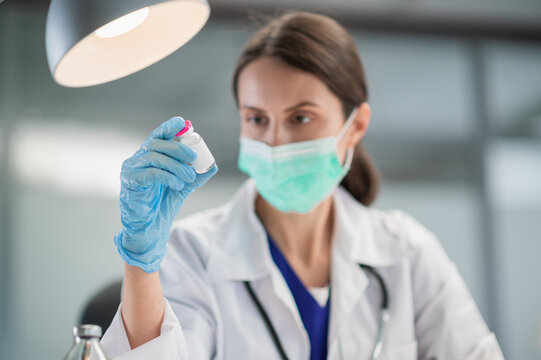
[91,42]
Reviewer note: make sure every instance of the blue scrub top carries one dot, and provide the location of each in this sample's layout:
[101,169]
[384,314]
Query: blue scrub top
[314,317]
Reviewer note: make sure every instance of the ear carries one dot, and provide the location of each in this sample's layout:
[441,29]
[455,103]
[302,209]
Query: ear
[359,126]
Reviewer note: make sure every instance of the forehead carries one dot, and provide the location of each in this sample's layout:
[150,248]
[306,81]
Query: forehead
[270,82]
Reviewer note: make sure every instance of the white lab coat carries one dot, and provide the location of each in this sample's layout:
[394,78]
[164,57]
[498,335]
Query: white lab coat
[209,314]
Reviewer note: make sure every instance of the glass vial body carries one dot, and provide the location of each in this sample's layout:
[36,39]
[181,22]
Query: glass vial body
[204,160]
[87,344]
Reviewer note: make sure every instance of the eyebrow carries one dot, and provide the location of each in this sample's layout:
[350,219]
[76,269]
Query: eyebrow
[301,104]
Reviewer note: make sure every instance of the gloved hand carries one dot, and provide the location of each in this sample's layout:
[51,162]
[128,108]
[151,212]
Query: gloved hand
[155,181]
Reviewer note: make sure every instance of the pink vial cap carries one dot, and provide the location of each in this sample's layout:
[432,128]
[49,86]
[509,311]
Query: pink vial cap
[187,126]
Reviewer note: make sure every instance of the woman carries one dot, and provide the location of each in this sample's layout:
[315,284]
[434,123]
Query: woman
[294,266]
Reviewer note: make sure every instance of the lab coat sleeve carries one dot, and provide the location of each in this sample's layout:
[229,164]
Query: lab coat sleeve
[188,330]
[170,345]
[448,324]
[186,285]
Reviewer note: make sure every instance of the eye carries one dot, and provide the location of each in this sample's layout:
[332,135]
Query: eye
[257,120]
[302,119]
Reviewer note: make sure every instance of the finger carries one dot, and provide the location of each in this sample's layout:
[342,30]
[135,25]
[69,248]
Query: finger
[157,160]
[173,149]
[168,129]
[137,179]
[201,179]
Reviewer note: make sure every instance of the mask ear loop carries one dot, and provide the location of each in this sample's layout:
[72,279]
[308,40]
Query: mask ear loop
[349,159]
[347,124]
[350,151]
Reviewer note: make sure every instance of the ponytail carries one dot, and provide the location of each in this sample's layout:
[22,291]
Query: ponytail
[362,180]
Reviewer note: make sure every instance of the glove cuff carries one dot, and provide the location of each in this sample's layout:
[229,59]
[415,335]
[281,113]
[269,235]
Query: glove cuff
[149,261]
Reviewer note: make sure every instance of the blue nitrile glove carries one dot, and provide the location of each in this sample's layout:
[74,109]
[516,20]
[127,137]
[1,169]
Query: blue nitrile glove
[155,181]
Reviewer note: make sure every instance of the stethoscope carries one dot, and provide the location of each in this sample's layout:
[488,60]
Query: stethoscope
[383,315]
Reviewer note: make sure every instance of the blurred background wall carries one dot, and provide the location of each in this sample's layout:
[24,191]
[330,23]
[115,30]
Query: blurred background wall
[455,89]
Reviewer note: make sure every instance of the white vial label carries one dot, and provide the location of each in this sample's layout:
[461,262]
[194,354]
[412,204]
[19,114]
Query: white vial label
[204,160]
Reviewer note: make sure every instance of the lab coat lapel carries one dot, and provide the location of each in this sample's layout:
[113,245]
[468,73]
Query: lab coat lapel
[359,238]
[244,255]
[348,281]
[286,318]
[246,237]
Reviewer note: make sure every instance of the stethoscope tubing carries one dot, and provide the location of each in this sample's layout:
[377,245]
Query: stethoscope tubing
[383,318]
[383,313]
[268,323]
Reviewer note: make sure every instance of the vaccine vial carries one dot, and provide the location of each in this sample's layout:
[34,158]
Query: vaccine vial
[189,137]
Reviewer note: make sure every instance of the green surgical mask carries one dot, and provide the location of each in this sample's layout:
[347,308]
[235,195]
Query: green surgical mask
[296,177]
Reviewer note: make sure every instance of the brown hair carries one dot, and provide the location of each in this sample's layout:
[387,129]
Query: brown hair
[319,45]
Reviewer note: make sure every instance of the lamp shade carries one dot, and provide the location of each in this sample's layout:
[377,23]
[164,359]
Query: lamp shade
[90,42]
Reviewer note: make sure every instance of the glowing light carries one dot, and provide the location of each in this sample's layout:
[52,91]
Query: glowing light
[71,157]
[123,24]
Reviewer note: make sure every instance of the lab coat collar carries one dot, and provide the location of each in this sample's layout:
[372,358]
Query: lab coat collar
[243,252]
[365,235]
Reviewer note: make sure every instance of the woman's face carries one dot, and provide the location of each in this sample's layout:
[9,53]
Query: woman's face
[280,104]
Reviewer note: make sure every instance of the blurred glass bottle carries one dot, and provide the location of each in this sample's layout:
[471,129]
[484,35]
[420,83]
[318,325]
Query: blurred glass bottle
[87,344]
